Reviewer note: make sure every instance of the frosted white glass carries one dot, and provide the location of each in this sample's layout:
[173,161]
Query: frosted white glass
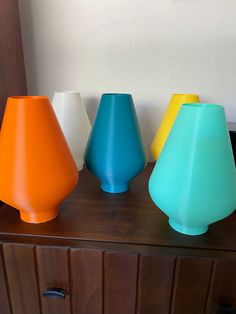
[74,121]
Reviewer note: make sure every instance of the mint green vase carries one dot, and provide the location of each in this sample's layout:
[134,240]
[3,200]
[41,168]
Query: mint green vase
[194,180]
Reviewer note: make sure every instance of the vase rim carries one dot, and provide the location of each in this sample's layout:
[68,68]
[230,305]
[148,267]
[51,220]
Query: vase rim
[202,106]
[116,94]
[184,95]
[67,92]
[29,97]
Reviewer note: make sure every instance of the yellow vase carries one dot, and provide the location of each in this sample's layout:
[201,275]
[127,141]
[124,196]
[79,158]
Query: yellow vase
[168,120]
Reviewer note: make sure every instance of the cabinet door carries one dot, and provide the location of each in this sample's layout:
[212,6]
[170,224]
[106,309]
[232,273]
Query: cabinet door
[155,284]
[21,274]
[120,284]
[191,284]
[87,281]
[223,286]
[53,274]
[176,285]
[4,304]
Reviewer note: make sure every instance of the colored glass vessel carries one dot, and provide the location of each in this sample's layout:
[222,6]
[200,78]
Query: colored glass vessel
[74,121]
[115,152]
[36,166]
[194,180]
[168,119]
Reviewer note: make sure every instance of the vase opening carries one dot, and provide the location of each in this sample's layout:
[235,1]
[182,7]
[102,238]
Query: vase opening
[202,106]
[185,95]
[29,97]
[193,231]
[116,94]
[114,188]
[32,217]
[67,92]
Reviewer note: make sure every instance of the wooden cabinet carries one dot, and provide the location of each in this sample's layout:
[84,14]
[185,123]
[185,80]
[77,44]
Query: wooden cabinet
[4,300]
[21,277]
[114,254]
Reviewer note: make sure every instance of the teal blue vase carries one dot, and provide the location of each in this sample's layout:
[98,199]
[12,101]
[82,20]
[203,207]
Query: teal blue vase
[115,152]
[194,180]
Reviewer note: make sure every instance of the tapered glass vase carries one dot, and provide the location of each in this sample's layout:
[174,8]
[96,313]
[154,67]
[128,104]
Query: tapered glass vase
[168,120]
[115,152]
[194,180]
[36,166]
[74,121]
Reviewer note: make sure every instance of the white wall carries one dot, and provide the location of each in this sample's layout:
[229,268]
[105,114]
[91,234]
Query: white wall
[150,48]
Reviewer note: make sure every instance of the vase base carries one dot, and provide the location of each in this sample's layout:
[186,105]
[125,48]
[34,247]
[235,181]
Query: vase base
[80,167]
[188,230]
[37,218]
[114,188]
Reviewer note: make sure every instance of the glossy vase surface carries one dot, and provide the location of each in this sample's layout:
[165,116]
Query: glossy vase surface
[36,166]
[194,180]
[74,121]
[115,152]
[168,119]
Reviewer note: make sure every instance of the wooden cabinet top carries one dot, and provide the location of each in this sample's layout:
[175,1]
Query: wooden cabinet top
[131,218]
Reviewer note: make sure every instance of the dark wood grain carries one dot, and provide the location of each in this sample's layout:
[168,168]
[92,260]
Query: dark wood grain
[223,285]
[114,246]
[53,273]
[22,280]
[87,281]
[192,279]
[89,214]
[4,301]
[155,284]
[120,271]
[12,69]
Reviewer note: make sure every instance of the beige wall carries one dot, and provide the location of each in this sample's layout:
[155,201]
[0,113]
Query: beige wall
[150,48]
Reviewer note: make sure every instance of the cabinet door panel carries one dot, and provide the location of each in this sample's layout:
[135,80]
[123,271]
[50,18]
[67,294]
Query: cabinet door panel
[86,281]
[22,279]
[155,284]
[53,273]
[120,271]
[223,286]
[4,304]
[192,279]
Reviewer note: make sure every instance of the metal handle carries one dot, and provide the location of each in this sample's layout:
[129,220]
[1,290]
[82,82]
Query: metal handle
[54,293]
[226,309]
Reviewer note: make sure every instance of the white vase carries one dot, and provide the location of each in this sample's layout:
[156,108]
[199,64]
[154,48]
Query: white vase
[74,122]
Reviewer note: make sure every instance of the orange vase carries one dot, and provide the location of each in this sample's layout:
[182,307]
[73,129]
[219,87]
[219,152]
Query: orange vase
[37,170]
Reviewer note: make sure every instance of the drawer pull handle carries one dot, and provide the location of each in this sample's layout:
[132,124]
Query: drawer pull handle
[226,309]
[54,293]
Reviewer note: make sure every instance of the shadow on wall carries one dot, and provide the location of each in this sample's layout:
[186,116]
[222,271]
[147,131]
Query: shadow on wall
[91,104]
[149,117]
